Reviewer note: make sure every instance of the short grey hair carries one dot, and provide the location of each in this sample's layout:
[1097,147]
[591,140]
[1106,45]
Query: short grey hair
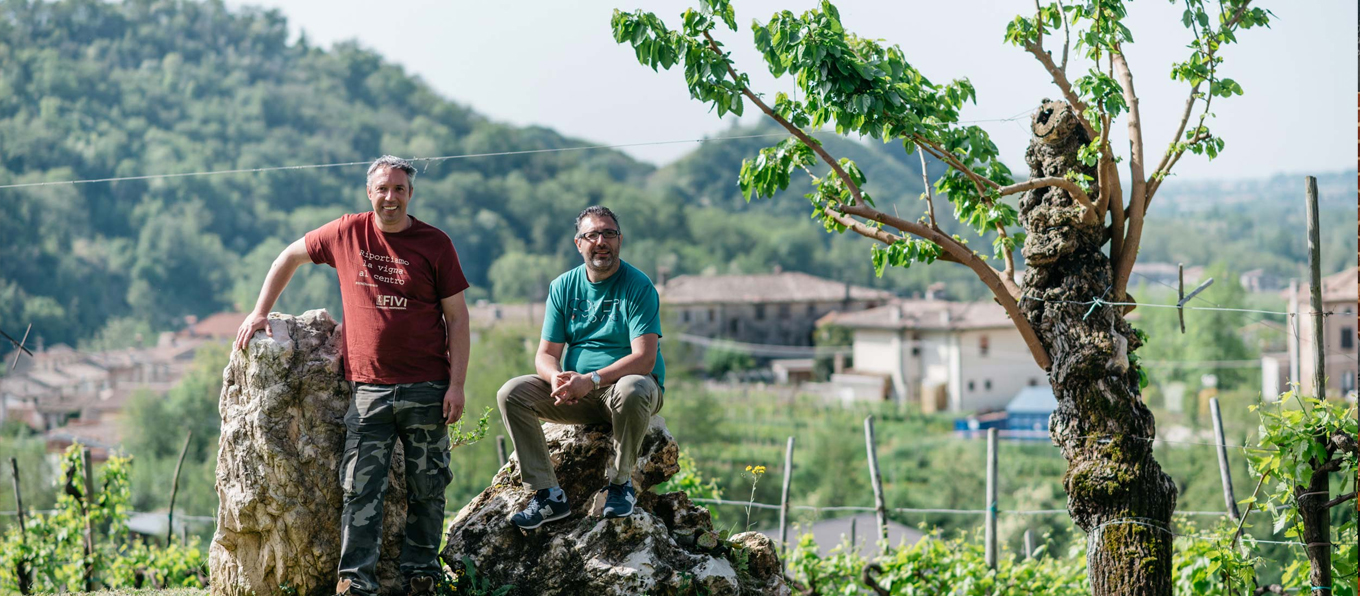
[597,211]
[394,162]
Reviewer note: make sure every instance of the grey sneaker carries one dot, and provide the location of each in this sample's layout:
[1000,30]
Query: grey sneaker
[542,509]
[620,500]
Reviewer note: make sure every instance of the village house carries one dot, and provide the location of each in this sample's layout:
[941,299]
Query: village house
[939,354]
[780,308]
[71,395]
[1339,335]
[484,315]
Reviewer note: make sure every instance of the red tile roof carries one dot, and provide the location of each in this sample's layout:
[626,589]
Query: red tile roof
[924,314]
[222,325]
[767,288]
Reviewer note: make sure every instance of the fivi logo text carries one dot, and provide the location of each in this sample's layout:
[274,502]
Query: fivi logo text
[391,302]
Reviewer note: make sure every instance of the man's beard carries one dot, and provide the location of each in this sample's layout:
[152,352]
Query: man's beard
[601,262]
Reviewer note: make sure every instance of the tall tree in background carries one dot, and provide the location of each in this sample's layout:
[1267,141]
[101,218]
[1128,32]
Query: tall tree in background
[1070,208]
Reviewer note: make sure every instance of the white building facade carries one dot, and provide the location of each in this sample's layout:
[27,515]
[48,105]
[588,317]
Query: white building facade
[942,355]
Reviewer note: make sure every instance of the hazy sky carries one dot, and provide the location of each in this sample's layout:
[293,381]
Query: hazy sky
[555,64]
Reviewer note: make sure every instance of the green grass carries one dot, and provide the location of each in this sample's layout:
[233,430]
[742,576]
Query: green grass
[170,592]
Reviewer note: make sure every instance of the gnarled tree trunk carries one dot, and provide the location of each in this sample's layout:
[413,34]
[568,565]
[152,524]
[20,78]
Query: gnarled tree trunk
[1116,491]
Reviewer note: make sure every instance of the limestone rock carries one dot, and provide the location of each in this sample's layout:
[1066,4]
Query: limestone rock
[283,405]
[651,552]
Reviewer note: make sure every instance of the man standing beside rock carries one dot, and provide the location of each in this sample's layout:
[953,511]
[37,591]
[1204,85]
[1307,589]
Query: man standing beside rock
[606,315]
[405,346]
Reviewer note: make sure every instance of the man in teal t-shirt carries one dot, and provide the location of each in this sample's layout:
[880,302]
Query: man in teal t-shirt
[605,314]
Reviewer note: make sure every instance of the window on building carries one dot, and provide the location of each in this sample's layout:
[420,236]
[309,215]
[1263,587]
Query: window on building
[733,325]
[971,386]
[1033,382]
[916,350]
[783,311]
[711,315]
[983,345]
[1347,381]
[987,384]
[812,310]
[684,316]
[760,312]
[1347,338]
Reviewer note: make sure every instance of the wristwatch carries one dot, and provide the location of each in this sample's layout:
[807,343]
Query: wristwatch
[595,378]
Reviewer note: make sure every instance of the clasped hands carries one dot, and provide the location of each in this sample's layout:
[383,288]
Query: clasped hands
[569,387]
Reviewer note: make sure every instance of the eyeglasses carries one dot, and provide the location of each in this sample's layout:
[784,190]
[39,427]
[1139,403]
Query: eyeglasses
[595,235]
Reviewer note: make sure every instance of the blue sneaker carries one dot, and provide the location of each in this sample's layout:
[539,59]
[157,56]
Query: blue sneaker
[620,500]
[548,504]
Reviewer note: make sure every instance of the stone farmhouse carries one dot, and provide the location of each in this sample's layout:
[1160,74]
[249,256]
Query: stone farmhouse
[780,308]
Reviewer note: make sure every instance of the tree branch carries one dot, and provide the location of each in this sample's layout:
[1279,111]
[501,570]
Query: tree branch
[1331,465]
[1008,273]
[1172,154]
[978,182]
[1088,210]
[1112,191]
[1060,79]
[910,227]
[1103,171]
[1006,292]
[1339,500]
[1138,190]
[1039,24]
[875,233]
[952,161]
[1067,37]
[1116,214]
[925,184]
[1169,159]
[794,130]
[1156,183]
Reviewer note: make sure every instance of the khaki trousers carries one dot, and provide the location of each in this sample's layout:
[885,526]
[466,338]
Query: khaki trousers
[627,405]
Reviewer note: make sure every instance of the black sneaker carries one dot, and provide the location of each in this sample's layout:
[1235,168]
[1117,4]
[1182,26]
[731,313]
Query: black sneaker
[619,500]
[542,509]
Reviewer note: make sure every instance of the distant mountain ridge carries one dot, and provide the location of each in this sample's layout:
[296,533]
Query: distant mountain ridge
[1334,189]
[93,89]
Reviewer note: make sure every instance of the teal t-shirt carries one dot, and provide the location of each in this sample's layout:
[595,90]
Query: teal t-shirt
[598,321]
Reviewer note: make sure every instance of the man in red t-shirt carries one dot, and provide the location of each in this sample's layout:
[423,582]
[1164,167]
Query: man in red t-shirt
[405,348]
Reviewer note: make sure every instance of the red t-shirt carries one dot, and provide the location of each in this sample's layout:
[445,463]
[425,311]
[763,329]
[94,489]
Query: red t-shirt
[390,286]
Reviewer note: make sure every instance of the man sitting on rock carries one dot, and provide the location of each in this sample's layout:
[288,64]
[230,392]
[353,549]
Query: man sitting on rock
[405,347]
[606,315]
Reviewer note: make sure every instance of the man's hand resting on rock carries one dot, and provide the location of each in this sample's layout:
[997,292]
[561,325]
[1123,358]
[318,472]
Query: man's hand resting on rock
[254,322]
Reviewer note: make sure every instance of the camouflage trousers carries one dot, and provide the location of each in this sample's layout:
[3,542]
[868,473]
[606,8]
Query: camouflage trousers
[378,416]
